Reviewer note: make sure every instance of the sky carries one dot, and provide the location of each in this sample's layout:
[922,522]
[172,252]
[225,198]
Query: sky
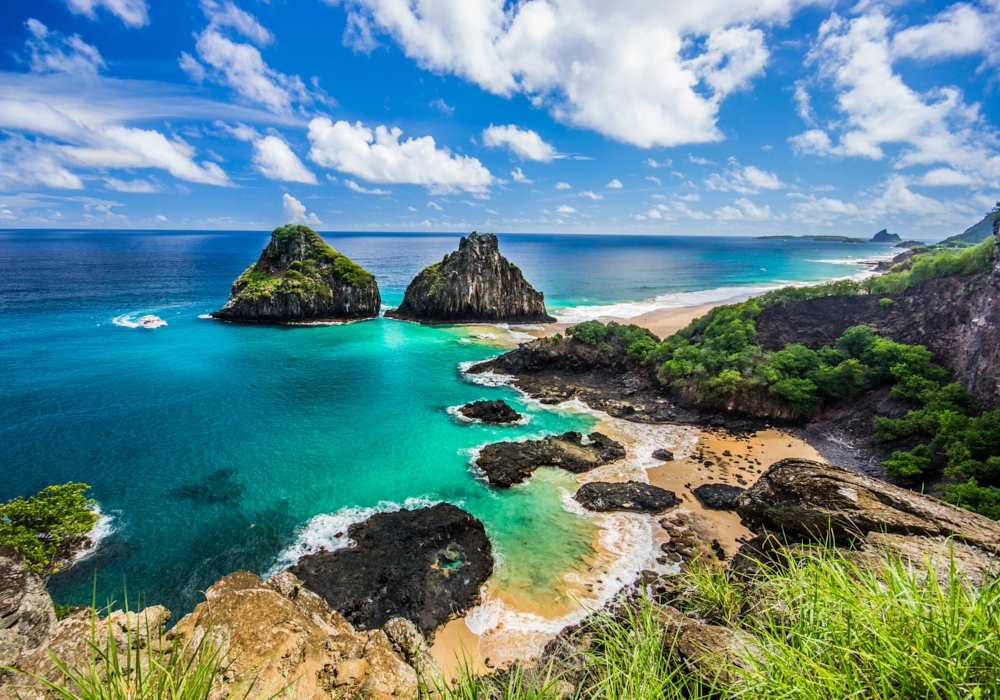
[731,117]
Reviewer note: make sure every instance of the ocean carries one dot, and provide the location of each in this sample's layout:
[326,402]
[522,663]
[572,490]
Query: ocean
[213,447]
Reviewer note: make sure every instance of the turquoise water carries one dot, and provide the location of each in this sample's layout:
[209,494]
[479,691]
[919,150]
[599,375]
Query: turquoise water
[215,447]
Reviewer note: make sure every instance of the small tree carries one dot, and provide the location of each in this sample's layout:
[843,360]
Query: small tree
[49,527]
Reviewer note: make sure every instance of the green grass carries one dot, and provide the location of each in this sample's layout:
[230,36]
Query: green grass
[822,626]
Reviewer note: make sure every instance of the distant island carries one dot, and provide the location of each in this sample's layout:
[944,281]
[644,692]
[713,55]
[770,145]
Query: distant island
[829,239]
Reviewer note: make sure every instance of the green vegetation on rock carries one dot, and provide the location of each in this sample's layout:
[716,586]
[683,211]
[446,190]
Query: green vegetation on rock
[48,527]
[637,341]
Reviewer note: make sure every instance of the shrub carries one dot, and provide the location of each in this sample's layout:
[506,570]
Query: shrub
[912,466]
[47,528]
[885,302]
[984,500]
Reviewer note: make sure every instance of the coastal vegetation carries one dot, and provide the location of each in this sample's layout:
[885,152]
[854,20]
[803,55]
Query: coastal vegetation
[48,527]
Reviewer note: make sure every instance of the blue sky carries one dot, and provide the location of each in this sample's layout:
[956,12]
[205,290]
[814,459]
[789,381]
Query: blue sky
[737,117]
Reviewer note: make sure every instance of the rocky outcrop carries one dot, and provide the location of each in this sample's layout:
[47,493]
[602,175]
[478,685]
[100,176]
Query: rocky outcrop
[509,463]
[472,285]
[806,500]
[26,611]
[628,496]
[884,236]
[300,277]
[717,496]
[663,454]
[490,412]
[424,565]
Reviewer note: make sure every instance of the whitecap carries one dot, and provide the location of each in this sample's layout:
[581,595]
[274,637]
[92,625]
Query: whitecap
[103,528]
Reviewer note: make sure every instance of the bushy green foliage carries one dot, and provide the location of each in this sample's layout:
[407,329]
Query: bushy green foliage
[931,264]
[885,302]
[984,500]
[48,527]
[637,341]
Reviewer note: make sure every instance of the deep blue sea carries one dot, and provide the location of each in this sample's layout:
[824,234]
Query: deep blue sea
[213,447]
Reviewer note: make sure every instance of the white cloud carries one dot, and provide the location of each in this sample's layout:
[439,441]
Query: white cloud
[563,186]
[228,15]
[661,164]
[614,184]
[698,160]
[592,195]
[295,211]
[946,177]
[133,186]
[352,185]
[878,109]
[745,180]
[133,13]
[434,205]
[648,74]
[161,218]
[565,209]
[520,177]
[747,210]
[524,143]
[443,106]
[276,161]
[960,30]
[380,157]
[26,163]
[654,179]
[51,52]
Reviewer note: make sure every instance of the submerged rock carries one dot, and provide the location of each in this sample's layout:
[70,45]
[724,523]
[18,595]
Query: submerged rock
[802,499]
[718,496]
[631,496]
[509,463]
[472,285]
[300,277]
[425,565]
[490,412]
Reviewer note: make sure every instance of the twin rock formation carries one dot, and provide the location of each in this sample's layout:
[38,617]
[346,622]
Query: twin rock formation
[299,277]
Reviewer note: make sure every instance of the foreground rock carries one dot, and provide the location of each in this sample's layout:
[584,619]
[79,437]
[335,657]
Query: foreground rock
[300,277]
[629,496]
[806,500]
[663,454]
[509,463]
[292,636]
[718,496]
[490,412]
[423,565]
[26,611]
[473,285]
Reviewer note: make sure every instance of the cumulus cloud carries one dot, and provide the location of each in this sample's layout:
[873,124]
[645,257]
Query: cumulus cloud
[51,52]
[648,74]
[443,106]
[658,164]
[134,13]
[591,195]
[744,209]
[133,186]
[960,30]
[520,177]
[745,180]
[614,184]
[524,143]
[295,211]
[239,65]
[654,179]
[352,185]
[379,156]
[272,156]
[878,109]
[434,205]
[563,186]
[26,163]
[565,209]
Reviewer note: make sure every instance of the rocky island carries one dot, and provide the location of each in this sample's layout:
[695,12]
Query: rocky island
[475,284]
[509,463]
[300,277]
[498,411]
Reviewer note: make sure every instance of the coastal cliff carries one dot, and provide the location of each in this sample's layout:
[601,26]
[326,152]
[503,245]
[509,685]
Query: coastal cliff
[475,284]
[300,277]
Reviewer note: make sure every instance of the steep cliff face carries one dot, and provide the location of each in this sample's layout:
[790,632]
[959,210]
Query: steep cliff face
[474,284]
[957,318]
[301,277]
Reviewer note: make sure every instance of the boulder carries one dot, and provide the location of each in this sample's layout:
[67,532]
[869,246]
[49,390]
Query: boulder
[509,463]
[805,500]
[663,454]
[300,277]
[475,284]
[972,565]
[709,651]
[490,412]
[717,496]
[424,565]
[26,611]
[630,496]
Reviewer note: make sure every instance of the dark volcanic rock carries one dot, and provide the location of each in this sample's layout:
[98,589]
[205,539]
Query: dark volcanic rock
[663,454]
[509,463]
[631,496]
[718,496]
[300,277]
[806,500]
[425,565]
[472,285]
[490,412]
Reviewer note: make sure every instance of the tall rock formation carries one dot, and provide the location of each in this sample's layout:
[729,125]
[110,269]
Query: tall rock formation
[473,285]
[301,277]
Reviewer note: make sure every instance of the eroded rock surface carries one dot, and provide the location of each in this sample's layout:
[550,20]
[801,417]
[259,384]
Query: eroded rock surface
[300,277]
[475,284]
[424,565]
[490,412]
[798,498]
[629,496]
[26,612]
[509,463]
